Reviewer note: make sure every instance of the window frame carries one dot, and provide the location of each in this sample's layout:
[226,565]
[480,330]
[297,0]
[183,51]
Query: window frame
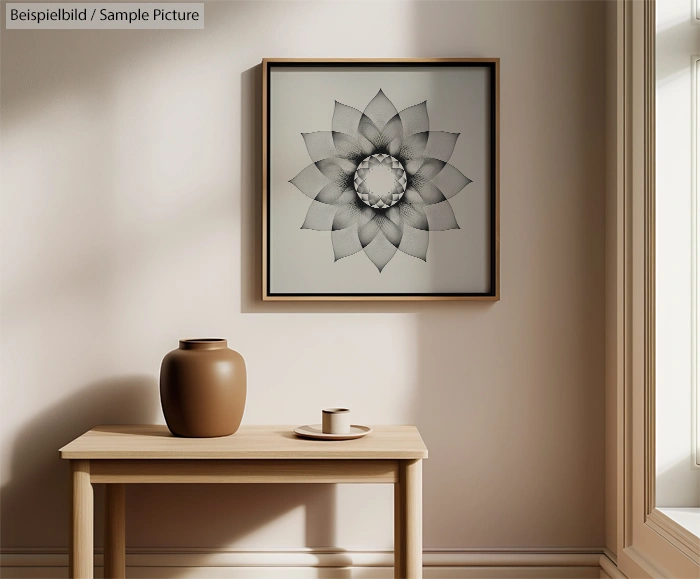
[642,541]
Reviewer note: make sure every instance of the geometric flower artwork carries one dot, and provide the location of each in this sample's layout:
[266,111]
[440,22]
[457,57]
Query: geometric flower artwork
[380,180]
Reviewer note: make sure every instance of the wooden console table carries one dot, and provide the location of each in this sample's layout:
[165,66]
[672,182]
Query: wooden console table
[119,455]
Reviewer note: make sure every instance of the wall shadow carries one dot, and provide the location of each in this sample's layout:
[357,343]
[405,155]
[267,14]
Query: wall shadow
[35,500]
[251,189]
[88,61]
[39,486]
[510,398]
[226,513]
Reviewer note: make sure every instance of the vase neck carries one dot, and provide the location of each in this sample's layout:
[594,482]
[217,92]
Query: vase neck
[203,344]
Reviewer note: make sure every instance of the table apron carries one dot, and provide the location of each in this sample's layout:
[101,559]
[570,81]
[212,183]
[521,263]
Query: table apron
[243,471]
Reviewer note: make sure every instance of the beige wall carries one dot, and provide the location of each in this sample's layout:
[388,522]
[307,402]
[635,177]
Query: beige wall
[130,209]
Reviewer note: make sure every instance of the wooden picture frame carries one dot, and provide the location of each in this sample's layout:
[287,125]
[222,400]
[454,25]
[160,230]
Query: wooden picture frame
[371,184]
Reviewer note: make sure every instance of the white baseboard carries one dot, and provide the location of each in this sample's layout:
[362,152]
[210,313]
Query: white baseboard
[313,564]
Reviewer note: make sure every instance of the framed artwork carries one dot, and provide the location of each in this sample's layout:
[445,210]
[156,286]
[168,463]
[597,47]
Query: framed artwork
[380,179]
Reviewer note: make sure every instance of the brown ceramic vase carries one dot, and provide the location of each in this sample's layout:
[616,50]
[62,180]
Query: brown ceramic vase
[203,388]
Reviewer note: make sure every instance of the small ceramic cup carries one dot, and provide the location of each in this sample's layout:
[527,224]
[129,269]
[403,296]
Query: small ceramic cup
[336,421]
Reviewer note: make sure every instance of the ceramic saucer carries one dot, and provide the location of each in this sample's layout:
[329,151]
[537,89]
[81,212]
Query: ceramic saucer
[314,431]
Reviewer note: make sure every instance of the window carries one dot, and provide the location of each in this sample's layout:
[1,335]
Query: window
[677,263]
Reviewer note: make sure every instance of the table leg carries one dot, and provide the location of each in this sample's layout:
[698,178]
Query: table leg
[81,551]
[399,527]
[115,532]
[408,494]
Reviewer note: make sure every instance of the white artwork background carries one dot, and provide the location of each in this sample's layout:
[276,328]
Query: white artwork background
[302,101]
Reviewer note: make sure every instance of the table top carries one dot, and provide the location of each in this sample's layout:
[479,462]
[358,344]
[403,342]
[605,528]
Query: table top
[154,441]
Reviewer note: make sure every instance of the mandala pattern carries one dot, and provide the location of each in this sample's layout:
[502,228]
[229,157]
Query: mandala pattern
[380,181]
